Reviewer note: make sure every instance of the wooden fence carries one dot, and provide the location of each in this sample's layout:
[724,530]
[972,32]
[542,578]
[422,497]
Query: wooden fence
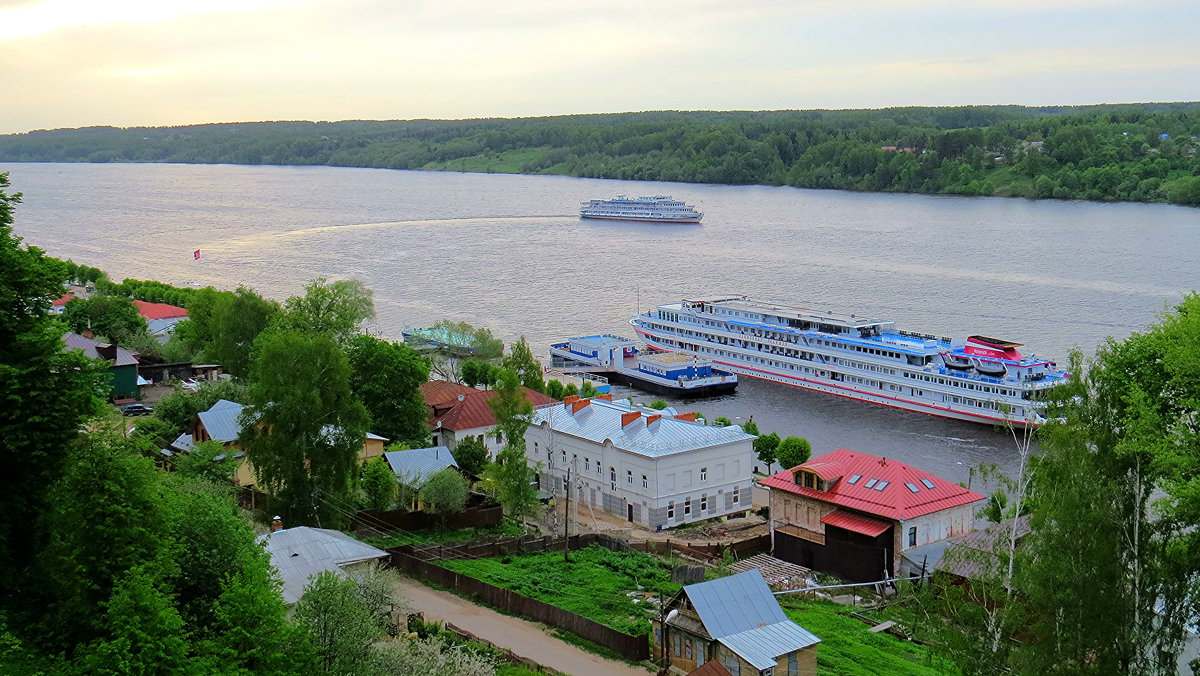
[472,517]
[629,646]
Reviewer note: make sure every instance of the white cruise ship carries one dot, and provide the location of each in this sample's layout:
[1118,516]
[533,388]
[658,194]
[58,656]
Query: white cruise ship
[659,208]
[978,378]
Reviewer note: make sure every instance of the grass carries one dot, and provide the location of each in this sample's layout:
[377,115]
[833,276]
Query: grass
[507,162]
[425,537]
[847,648]
[595,584]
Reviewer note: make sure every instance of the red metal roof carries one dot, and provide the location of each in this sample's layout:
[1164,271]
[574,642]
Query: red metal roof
[439,393]
[159,310]
[896,501]
[473,411]
[63,300]
[859,523]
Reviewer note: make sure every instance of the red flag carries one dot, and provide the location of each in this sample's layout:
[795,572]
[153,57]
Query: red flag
[197,254]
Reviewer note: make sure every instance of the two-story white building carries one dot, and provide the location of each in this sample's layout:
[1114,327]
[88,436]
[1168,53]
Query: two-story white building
[650,467]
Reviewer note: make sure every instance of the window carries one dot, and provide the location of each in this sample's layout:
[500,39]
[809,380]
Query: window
[854,479]
[687,506]
[704,474]
[912,536]
[793,665]
[645,482]
[587,464]
[870,483]
[736,496]
[629,477]
[881,485]
[928,483]
[704,502]
[912,487]
[671,509]
[675,642]
[809,481]
[687,649]
[564,458]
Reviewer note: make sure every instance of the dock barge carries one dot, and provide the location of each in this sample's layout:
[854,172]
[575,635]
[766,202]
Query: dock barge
[619,359]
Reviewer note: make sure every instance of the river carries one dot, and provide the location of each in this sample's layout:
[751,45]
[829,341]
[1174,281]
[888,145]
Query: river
[510,253]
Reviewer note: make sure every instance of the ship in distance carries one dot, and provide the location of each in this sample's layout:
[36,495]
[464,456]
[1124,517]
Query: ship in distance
[977,378]
[656,209]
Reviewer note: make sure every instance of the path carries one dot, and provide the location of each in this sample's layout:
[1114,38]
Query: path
[524,638]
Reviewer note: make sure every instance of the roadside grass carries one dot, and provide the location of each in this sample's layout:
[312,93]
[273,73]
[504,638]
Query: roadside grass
[595,583]
[505,529]
[848,648]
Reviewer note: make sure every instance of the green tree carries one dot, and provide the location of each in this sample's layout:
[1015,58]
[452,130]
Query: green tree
[766,447]
[336,308]
[144,633]
[209,461]
[658,405]
[555,390]
[511,473]
[749,427]
[387,378]
[432,657]
[445,493]
[588,390]
[339,624]
[157,431]
[180,407]
[529,370]
[475,372]
[471,455]
[304,427]
[793,451]
[236,320]
[113,317]
[379,484]
[722,421]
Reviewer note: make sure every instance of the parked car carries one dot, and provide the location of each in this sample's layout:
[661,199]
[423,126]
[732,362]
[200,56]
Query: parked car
[137,409]
[189,385]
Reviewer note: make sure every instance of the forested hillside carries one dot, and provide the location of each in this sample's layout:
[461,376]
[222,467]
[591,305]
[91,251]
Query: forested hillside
[1143,153]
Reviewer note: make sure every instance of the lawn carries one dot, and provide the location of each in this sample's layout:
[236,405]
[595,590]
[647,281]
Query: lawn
[848,648]
[424,537]
[596,583]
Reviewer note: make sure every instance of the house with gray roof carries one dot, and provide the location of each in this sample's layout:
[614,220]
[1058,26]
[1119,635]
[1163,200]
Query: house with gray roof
[655,468]
[302,552]
[414,466]
[122,363]
[736,622]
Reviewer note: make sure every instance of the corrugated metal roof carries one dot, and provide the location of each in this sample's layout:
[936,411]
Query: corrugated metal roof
[415,466]
[75,341]
[183,442]
[859,523]
[474,412]
[601,421]
[301,552]
[731,605]
[159,310]
[221,421]
[974,553]
[741,613]
[711,668]
[762,646]
[896,501]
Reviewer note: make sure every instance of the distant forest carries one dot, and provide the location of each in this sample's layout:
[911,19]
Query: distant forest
[1139,153]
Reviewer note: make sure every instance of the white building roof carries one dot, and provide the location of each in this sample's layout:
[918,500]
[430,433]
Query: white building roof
[602,420]
[301,552]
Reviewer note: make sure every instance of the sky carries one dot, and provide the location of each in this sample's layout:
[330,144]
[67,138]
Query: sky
[72,63]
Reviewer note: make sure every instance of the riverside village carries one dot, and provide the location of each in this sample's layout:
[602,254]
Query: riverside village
[367,505]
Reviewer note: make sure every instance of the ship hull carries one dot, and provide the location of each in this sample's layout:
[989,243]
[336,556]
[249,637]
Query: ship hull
[652,387]
[640,220]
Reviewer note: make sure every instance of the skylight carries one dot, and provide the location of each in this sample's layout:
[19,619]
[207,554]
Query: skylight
[854,479]
[871,483]
[881,485]
[912,487]
[928,483]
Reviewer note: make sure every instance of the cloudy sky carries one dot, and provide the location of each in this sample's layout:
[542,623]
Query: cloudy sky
[68,63]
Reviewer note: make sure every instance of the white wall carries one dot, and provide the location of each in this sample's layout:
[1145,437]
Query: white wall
[947,523]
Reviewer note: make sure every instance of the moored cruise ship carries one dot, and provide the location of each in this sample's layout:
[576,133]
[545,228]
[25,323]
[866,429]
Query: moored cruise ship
[979,379]
[659,209]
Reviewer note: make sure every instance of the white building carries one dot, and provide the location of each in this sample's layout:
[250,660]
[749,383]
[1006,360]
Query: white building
[650,467]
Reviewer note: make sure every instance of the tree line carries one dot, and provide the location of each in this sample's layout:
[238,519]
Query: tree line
[1139,153]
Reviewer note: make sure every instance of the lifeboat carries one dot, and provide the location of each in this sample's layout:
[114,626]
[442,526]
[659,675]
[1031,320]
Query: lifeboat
[993,369]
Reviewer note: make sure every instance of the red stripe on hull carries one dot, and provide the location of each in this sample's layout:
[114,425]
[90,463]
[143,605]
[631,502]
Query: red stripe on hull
[637,220]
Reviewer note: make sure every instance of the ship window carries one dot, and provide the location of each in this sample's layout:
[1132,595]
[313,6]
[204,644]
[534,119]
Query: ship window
[881,485]
[871,482]
[854,479]
[927,482]
[912,487]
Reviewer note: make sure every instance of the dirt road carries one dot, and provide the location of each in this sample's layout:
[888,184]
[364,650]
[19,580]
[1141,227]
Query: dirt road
[524,638]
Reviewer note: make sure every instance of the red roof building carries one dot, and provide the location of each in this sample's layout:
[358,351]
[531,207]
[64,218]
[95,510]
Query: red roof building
[457,412]
[855,514]
[161,318]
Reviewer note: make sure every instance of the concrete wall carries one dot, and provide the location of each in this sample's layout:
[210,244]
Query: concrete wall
[938,526]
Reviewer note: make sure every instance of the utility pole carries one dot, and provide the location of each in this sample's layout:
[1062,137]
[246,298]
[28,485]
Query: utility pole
[567,520]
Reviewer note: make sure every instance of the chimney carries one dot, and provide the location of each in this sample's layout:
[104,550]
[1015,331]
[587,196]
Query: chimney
[577,406]
[276,523]
[690,417]
[627,418]
[603,397]
[571,399]
[87,333]
[650,420]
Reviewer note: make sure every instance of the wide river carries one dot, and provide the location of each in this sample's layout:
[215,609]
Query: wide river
[510,253]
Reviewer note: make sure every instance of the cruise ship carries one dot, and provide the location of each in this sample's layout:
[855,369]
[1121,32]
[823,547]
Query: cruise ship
[978,378]
[659,209]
